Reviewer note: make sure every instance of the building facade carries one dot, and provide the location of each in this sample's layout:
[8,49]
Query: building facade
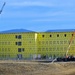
[33,45]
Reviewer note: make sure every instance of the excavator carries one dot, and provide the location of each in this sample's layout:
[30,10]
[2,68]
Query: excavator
[2,7]
[67,57]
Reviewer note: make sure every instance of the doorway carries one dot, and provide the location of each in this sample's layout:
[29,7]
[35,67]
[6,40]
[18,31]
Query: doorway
[19,56]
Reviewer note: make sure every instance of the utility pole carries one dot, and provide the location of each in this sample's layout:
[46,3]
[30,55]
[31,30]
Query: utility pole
[2,7]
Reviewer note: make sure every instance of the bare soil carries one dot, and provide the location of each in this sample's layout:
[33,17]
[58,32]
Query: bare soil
[36,68]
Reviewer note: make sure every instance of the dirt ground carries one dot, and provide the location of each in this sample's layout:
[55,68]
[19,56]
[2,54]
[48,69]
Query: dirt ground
[36,68]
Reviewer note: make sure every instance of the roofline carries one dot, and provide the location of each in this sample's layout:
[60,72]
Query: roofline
[62,30]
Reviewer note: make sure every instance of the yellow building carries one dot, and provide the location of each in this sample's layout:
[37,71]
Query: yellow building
[32,45]
[17,45]
[55,44]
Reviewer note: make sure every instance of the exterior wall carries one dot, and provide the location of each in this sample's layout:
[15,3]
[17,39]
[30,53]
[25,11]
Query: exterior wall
[17,45]
[35,45]
[55,44]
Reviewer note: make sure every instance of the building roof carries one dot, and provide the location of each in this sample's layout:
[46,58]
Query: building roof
[27,31]
[61,30]
[15,31]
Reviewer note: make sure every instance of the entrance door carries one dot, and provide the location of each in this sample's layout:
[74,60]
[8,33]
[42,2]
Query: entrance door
[19,56]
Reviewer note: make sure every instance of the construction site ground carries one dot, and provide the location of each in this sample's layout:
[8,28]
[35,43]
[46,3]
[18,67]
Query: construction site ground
[20,67]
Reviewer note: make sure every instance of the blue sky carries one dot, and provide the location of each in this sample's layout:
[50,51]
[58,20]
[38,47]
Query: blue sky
[37,15]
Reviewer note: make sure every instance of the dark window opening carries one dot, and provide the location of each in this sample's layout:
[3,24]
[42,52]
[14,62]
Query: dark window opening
[19,49]
[57,35]
[50,35]
[65,35]
[18,43]
[72,34]
[43,35]
[18,36]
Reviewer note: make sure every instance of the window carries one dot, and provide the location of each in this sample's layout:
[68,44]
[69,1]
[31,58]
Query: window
[57,42]
[57,48]
[43,35]
[18,36]
[18,43]
[54,42]
[5,49]
[47,49]
[72,34]
[8,49]
[46,42]
[42,42]
[39,42]
[69,42]
[65,35]
[54,48]
[61,42]
[20,49]
[72,48]
[73,42]
[8,43]
[61,48]
[57,35]
[39,49]
[65,42]
[43,48]
[50,35]
[2,49]
[30,48]
[50,49]
[50,42]
[5,43]
[65,48]
[2,43]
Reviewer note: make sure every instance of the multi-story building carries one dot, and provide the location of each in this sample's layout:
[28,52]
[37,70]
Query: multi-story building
[31,45]
[17,45]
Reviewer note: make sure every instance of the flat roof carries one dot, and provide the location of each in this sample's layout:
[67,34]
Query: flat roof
[61,30]
[57,30]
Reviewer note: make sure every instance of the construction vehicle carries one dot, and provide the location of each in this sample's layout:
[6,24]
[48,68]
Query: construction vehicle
[66,57]
[2,7]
